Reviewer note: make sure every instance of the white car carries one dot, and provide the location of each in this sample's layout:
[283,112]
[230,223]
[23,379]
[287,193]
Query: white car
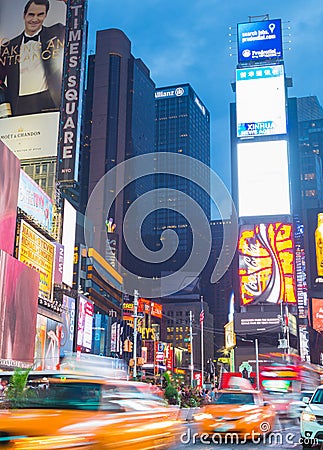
[312,420]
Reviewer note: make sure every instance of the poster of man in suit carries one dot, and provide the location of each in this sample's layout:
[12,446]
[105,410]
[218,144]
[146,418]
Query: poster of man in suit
[32,38]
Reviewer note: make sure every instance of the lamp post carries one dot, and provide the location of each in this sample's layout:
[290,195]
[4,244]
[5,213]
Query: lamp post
[135,317]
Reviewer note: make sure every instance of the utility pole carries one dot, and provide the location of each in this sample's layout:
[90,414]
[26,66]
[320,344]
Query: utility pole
[135,317]
[191,343]
[257,363]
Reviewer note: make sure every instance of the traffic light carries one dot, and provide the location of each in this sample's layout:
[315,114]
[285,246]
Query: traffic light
[127,346]
[189,348]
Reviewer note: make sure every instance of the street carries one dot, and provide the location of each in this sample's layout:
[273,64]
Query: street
[285,435]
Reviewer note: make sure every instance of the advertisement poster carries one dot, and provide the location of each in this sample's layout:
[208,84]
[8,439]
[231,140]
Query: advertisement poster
[266,264]
[34,201]
[31,67]
[9,186]
[259,41]
[18,312]
[37,252]
[48,342]
[68,326]
[317,314]
[84,328]
[314,251]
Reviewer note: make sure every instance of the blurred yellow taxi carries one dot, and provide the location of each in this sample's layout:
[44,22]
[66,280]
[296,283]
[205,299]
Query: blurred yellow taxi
[242,412]
[90,413]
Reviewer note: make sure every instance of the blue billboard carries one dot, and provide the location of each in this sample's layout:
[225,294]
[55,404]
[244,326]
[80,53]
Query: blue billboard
[259,41]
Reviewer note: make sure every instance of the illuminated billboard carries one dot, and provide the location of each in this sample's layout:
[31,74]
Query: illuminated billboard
[259,41]
[266,264]
[260,101]
[317,314]
[48,342]
[263,178]
[34,201]
[85,326]
[314,250]
[38,253]
[18,312]
[31,67]
[68,241]
[9,185]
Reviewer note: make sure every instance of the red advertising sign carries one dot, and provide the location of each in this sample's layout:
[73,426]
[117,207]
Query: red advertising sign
[198,379]
[317,314]
[266,263]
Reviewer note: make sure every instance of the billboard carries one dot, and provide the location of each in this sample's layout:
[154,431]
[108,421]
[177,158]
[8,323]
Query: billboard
[266,264]
[9,185]
[18,310]
[263,178]
[314,251]
[68,326]
[48,342]
[68,241]
[259,41]
[33,136]
[31,65]
[261,101]
[73,86]
[317,314]
[37,252]
[248,323]
[34,201]
[84,325]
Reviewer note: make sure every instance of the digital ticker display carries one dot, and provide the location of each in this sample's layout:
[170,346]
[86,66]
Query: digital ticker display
[261,101]
[259,41]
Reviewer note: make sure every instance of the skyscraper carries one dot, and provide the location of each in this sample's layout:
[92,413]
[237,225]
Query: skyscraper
[121,95]
[182,127]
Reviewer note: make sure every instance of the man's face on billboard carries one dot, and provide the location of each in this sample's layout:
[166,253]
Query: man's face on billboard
[34,18]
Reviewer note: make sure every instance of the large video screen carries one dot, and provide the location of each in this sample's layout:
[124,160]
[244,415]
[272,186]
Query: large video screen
[259,41]
[266,264]
[314,249]
[261,101]
[32,40]
[263,178]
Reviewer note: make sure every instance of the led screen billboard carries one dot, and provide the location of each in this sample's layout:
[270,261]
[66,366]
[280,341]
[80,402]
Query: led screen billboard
[34,201]
[18,311]
[263,178]
[48,342]
[37,252]
[259,41]
[85,326]
[260,101]
[314,249]
[266,263]
[68,241]
[317,314]
[68,326]
[9,185]
[261,322]
[31,67]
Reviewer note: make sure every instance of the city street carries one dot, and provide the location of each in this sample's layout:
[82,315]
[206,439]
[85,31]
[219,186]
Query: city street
[285,435]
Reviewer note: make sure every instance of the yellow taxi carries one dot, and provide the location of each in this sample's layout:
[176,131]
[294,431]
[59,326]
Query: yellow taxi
[89,413]
[242,413]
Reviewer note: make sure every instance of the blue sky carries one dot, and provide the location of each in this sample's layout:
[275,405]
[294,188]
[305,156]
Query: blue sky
[187,41]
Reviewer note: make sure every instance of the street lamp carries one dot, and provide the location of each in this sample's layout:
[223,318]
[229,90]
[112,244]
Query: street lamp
[257,358]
